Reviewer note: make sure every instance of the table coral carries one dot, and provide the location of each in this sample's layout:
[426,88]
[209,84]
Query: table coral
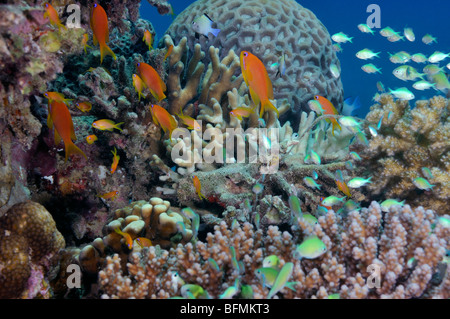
[268,29]
[366,238]
[409,140]
[29,244]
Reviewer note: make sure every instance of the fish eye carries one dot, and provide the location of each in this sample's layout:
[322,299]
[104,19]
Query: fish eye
[245,54]
[316,97]
[295,135]
[95,5]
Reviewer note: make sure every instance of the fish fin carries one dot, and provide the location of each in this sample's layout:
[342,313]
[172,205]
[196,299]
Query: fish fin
[57,137]
[208,17]
[215,32]
[94,39]
[267,105]
[335,124]
[117,126]
[71,148]
[60,25]
[49,120]
[106,50]
[291,285]
[254,96]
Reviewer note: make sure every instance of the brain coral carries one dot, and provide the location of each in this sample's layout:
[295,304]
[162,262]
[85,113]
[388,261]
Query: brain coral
[267,28]
[28,240]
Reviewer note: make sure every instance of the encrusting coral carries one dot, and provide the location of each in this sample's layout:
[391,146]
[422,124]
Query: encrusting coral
[270,29]
[409,140]
[405,247]
[29,247]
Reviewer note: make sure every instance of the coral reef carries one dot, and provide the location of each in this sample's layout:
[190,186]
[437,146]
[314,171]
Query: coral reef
[354,245]
[269,29]
[409,140]
[29,247]
[154,220]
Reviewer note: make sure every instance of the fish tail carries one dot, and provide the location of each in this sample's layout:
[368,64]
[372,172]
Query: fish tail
[60,25]
[291,285]
[201,196]
[117,126]
[215,31]
[266,105]
[350,40]
[335,124]
[71,148]
[106,50]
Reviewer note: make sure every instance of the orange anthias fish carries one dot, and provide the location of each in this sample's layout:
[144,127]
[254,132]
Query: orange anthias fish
[257,79]
[329,109]
[107,125]
[241,112]
[91,139]
[110,195]
[148,39]
[144,242]
[169,51]
[163,118]
[198,187]
[99,26]
[138,84]
[115,162]
[152,80]
[126,236]
[85,41]
[84,106]
[57,97]
[342,186]
[190,122]
[52,15]
[61,119]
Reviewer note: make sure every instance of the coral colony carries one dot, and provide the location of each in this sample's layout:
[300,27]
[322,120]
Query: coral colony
[219,162]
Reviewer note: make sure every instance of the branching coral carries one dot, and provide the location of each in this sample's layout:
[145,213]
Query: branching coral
[365,241]
[409,140]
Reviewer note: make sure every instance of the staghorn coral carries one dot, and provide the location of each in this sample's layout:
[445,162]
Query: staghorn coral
[410,139]
[366,238]
[268,29]
[29,244]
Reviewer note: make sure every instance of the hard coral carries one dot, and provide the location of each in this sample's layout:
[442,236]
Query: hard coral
[411,139]
[29,243]
[268,29]
[154,220]
[366,239]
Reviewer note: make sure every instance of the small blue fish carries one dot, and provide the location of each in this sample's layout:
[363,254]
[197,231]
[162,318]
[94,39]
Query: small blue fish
[203,25]
[315,158]
[295,205]
[213,264]
[315,175]
[422,183]
[355,156]
[258,188]
[373,131]
[310,182]
[349,165]
[380,122]
[427,173]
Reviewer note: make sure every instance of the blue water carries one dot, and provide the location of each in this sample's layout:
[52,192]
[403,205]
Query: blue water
[424,16]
